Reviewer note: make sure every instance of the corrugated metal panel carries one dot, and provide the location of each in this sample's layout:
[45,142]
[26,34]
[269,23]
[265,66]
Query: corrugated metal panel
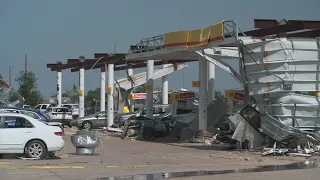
[305,108]
[282,65]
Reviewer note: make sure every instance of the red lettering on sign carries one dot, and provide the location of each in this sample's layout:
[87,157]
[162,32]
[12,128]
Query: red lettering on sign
[239,96]
[187,95]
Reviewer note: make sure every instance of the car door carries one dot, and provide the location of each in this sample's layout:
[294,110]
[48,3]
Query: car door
[14,138]
[102,119]
[44,108]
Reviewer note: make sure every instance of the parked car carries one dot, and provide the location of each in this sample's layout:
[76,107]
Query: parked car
[36,114]
[60,114]
[43,107]
[70,106]
[26,106]
[96,120]
[28,136]
[75,110]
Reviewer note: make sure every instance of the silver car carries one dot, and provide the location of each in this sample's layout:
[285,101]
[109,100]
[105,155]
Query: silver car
[93,121]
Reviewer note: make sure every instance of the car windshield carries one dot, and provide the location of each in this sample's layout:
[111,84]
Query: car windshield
[139,110]
[163,115]
[42,116]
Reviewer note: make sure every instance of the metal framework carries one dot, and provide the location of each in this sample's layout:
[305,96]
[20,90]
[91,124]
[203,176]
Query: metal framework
[285,28]
[102,59]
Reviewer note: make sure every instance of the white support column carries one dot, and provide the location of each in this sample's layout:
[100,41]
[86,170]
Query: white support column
[130,73]
[149,87]
[165,86]
[110,93]
[203,93]
[59,88]
[103,89]
[81,92]
[211,79]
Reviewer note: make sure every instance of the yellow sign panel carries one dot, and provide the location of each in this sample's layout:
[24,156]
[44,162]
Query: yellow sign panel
[216,32]
[205,35]
[81,91]
[195,84]
[176,39]
[148,87]
[109,89]
[229,94]
[175,96]
[131,96]
[194,38]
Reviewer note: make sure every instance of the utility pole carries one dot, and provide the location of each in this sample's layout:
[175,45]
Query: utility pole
[25,63]
[10,67]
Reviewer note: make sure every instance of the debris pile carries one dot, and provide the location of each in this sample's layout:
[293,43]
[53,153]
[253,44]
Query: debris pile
[252,134]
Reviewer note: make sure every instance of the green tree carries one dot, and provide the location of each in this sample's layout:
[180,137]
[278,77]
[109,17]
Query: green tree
[140,89]
[1,88]
[93,94]
[219,95]
[71,93]
[28,88]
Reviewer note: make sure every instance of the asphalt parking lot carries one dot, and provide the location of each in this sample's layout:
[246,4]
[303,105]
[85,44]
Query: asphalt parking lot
[129,157]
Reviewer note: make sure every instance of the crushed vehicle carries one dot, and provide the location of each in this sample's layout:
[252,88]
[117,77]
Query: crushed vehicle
[158,110]
[143,128]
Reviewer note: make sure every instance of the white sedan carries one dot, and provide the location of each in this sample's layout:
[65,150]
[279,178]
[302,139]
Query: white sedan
[28,136]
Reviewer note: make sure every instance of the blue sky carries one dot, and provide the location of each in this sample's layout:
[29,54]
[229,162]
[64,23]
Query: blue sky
[55,30]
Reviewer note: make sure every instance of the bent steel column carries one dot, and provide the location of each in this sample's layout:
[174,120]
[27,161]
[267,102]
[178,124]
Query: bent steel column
[81,92]
[203,94]
[149,87]
[165,87]
[211,79]
[130,73]
[110,93]
[103,89]
[59,86]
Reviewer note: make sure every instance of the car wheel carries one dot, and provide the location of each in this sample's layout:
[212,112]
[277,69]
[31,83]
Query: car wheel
[35,149]
[87,125]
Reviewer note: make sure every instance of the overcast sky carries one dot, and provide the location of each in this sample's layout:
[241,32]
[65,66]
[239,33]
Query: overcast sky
[55,30]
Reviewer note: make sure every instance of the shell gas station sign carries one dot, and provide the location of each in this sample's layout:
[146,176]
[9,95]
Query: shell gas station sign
[183,95]
[135,96]
[236,95]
